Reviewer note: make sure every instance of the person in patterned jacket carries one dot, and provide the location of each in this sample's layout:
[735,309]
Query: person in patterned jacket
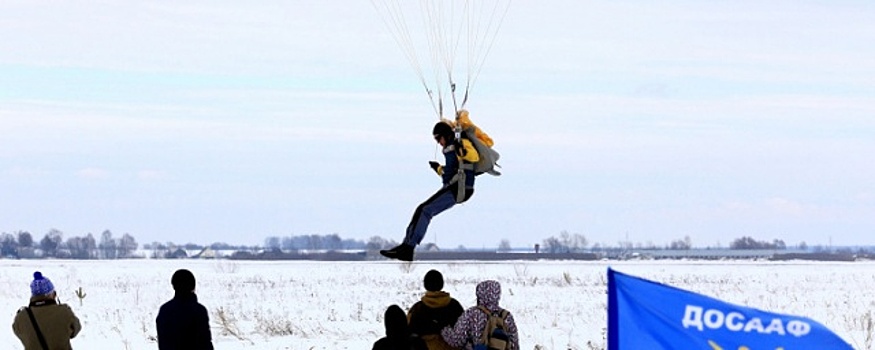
[469,327]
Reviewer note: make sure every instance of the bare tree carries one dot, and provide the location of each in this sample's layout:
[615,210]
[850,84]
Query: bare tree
[685,244]
[377,243]
[51,242]
[565,243]
[127,245]
[750,243]
[314,242]
[332,242]
[272,242]
[578,242]
[25,239]
[552,245]
[504,246]
[76,247]
[8,245]
[108,246]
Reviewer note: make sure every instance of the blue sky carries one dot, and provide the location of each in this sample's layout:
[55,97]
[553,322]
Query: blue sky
[223,121]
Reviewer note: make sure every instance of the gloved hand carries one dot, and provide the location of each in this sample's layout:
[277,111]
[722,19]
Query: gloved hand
[434,165]
[460,150]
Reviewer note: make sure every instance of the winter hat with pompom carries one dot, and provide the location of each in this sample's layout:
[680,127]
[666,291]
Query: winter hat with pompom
[41,285]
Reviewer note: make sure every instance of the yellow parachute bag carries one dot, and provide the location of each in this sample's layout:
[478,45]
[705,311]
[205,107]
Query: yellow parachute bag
[481,141]
[465,122]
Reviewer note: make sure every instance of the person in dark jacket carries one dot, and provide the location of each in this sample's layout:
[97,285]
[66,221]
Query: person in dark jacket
[183,323]
[56,322]
[398,336]
[458,154]
[469,327]
[436,310]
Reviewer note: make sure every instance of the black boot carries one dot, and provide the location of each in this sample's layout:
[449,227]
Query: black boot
[393,249]
[402,252]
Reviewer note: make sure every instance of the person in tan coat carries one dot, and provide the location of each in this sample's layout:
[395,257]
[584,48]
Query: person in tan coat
[55,322]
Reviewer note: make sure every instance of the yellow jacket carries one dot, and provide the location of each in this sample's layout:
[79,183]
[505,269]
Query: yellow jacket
[468,154]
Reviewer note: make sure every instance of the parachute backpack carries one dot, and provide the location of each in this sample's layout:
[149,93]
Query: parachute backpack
[482,143]
[495,334]
[465,129]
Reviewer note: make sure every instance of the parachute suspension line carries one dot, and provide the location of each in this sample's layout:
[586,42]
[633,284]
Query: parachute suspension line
[452,41]
[444,24]
[436,15]
[392,14]
[483,38]
[453,94]
[430,21]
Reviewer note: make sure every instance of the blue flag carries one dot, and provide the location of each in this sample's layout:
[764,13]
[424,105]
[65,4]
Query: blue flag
[644,314]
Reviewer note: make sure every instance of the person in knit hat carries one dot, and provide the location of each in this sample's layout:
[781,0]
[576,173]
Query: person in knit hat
[51,325]
[41,285]
[434,311]
[182,322]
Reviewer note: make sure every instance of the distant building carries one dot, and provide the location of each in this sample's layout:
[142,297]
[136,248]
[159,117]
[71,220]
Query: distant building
[179,253]
[206,253]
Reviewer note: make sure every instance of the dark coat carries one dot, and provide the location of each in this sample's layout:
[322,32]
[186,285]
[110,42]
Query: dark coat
[431,314]
[183,324]
[398,336]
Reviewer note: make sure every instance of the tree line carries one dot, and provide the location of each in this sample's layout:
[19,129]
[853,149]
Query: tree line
[24,245]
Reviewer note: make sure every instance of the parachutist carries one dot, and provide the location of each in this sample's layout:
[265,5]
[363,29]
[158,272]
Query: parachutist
[457,176]
[465,157]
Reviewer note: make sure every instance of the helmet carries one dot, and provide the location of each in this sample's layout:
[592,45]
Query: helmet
[444,130]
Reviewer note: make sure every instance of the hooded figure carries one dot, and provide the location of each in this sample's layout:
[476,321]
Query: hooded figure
[398,337]
[56,322]
[469,327]
[182,322]
[433,312]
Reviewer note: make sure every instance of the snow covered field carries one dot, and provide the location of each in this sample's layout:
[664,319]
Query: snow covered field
[339,305]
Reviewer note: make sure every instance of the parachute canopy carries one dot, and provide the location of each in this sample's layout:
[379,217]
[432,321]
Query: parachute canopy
[436,35]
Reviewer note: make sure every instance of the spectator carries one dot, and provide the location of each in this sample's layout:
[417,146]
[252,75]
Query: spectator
[183,323]
[434,311]
[398,337]
[470,326]
[45,323]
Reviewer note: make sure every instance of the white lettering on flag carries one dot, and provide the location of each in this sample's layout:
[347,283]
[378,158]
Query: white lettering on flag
[699,318]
